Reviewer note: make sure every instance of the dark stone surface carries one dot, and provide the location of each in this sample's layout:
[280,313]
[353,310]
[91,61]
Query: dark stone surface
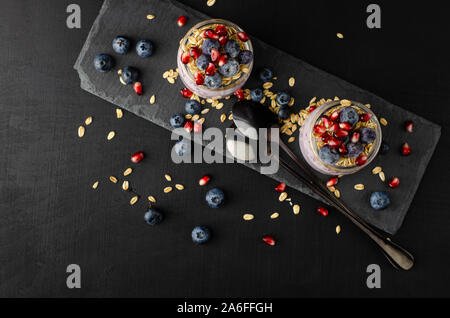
[310,82]
[50,216]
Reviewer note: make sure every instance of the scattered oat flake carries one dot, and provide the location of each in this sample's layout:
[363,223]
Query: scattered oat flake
[291,82]
[223,117]
[296,209]
[179,186]
[376,170]
[382,176]
[210,3]
[122,81]
[125,185]
[119,113]
[274,215]
[340,35]
[111,135]
[150,16]
[167,189]
[359,186]
[338,229]
[383,121]
[291,139]
[337,193]
[88,121]
[95,185]
[81,131]
[283,196]
[205,111]
[248,217]
[134,199]
[168,178]
[151,199]
[113,179]
[127,172]
[152,99]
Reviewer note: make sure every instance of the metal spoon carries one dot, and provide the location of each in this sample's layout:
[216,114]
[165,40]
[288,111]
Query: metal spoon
[249,117]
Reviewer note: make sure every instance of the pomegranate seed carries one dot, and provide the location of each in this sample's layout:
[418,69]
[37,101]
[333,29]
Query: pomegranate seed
[195,52]
[181,21]
[197,127]
[322,211]
[239,94]
[334,116]
[342,149]
[406,149]
[211,34]
[199,79]
[221,29]
[137,157]
[361,160]
[409,126]
[355,137]
[211,69]
[223,40]
[325,138]
[186,93]
[269,240]
[223,60]
[319,129]
[345,126]
[204,180]
[334,142]
[281,187]
[138,88]
[332,182]
[312,108]
[188,126]
[394,182]
[185,57]
[341,133]
[334,127]
[215,55]
[326,122]
[203,33]
[365,117]
[243,36]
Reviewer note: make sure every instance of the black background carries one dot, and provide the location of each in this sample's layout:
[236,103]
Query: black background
[50,216]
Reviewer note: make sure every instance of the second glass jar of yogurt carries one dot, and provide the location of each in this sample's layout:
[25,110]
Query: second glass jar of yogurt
[215,58]
[340,137]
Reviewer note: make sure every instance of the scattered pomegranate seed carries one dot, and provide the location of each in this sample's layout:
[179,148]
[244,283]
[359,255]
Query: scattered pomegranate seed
[204,180]
[394,182]
[365,117]
[281,187]
[345,126]
[342,149]
[355,137]
[185,57]
[332,182]
[243,36]
[361,160]
[334,142]
[138,88]
[197,127]
[223,40]
[211,34]
[409,126]
[215,55]
[189,126]
[312,108]
[210,70]
[322,211]
[326,122]
[181,21]
[199,79]
[195,52]
[221,29]
[137,157]
[239,94]
[406,149]
[341,133]
[223,60]
[186,93]
[334,116]
[319,129]
[269,240]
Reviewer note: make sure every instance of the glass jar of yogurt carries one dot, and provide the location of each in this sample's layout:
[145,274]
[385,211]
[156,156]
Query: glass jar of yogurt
[219,67]
[340,137]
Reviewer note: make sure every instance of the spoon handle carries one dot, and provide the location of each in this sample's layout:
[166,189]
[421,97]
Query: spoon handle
[397,256]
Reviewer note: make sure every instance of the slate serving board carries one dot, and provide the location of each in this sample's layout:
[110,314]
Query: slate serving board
[310,81]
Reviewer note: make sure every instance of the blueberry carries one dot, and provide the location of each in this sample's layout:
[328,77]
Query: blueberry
[213,81]
[177,120]
[349,115]
[384,148]
[230,68]
[284,113]
[329,155]
[182,147]
[256,94]
[232,48]
[245,57]
[210,44]
[203,61]
[153,217]
[144,48]
[215,197]
[354,150]
[192,107]
[200,235]
[103,62]
[266,74]
[368,135]
[121,45]
[283,98]
[379,200]
[129,74]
